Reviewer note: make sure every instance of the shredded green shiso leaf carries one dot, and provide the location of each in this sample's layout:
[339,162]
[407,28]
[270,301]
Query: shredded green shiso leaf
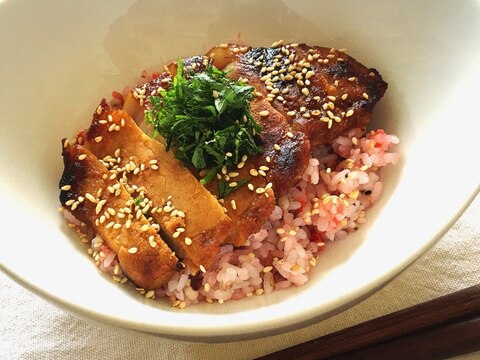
[205,119]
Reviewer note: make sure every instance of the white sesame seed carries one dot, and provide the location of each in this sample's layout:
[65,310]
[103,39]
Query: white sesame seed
[349,113]
[241,164]
[264,113]
[234,204]
[188,241]
[267,269]
[98,139]
[290,134]
[82,157]
[232,184]
[151,241]
[264,168]
[117,226]
[365,96]
[276,147]
[250,187]
[66,188]
[132,250]
[202,269]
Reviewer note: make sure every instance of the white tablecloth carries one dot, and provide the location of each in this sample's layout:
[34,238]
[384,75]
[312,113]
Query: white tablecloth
[31,328]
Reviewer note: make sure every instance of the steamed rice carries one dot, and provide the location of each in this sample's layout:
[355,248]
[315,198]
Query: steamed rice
[330,201]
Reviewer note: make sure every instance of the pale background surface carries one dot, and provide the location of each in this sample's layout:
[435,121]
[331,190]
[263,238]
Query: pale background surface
[33,329]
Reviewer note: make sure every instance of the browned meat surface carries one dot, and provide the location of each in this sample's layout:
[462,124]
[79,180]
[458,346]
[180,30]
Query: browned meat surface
[192,220]
[306,96]
[322,92]
[144,257]
[249,206]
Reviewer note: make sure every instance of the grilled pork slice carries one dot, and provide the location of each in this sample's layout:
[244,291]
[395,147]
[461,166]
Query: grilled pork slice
[192,220]
[323,92]
[250,205]
[145,259]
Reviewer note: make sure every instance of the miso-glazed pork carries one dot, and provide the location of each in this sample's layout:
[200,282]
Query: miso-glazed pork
[223,175]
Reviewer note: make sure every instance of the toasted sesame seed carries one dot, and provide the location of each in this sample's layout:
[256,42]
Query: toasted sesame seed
[344,96]
[202,269]
[264,113]
[260,190]
[276,147]
[290,134]
[262,173]
[250,187]
[232,184]
[176,234]
[353,78]
[349,113]
[241,164]
[267,269]
[253,172]
[82,157]
[259,291]
[188,241]
[295,267]
[291,113]
[91,197]
[268,159]
[66,188]
[150,294]
[117,226]
[132,250]
[264,168]
[365,96]
[152,242]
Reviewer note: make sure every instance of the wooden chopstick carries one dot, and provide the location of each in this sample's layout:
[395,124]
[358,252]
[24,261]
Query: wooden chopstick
[436,329]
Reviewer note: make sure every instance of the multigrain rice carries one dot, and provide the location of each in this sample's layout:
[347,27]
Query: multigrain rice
[340,184]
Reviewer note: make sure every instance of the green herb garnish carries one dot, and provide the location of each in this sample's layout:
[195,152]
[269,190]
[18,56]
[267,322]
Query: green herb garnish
[204,117]
[138,200]
[224,189]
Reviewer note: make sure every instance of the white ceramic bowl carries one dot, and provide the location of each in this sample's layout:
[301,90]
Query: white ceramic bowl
[59,59]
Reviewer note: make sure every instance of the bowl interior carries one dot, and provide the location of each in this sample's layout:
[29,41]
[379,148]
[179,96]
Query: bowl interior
[58,65]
